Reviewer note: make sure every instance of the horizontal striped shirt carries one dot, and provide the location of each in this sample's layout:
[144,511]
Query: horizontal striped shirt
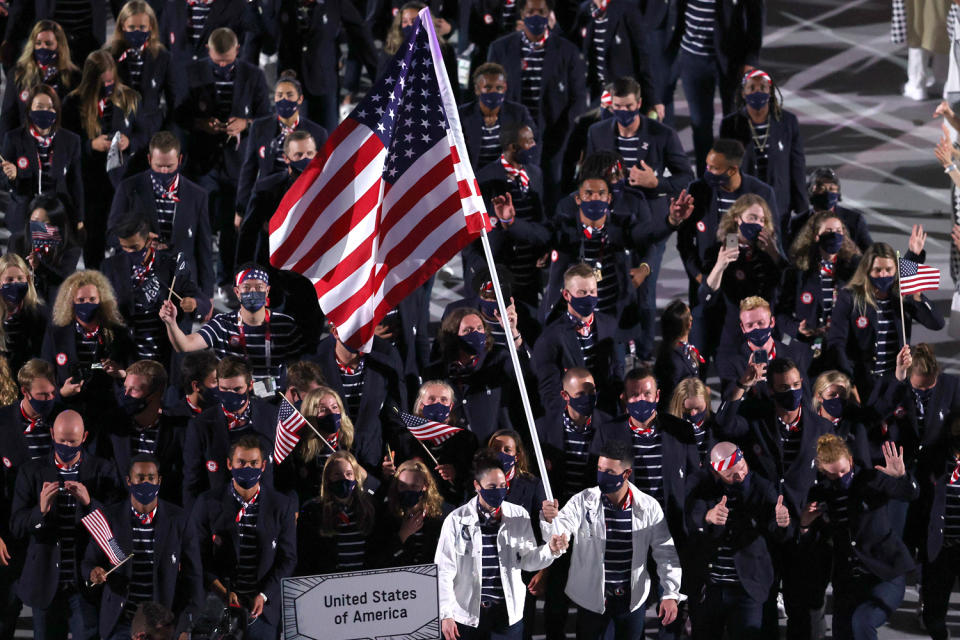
[351,543]
[721,569]
[490,148]
[888,344]
[67,528]
[951,514]
[491,583]
[531,75]
[142,563]
[648,463]
[223,335]
[246,583]
[618,552]
[700,20]
[576,452]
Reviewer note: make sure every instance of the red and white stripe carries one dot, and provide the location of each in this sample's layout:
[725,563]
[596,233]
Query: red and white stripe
[289,423]
[926,279]
[727,462]
[435,432]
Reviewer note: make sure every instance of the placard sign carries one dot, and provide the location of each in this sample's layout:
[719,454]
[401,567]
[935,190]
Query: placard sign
[387,604]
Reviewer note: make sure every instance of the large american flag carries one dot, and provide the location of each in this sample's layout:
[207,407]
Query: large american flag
[428,430]
[389,201]
[289,423]
[915,278]
[99,528]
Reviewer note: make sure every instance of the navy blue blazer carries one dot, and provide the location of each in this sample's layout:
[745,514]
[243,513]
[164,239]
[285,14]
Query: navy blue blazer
[20,148]
[251,100]
[176,579]
[213,524]
[558,349]
[29,343]
[14,454]
[750,530]
[853,220]
[315,54]
[737,33]
[481,23]
[38,582]
[563,93]
[938,506]
[758,437]
[626,50]
[659,147]
[698,233]
[471,120]
[680,461]
[878,547]
[550,430]
[175,27]
[159,79]
[191,235]
[801,297]
[786,162]
[112,443]
[14,108]
[252,241]
[383,388]
[23,15]
[260,155]
[207,447]
[527,492]
[94,163]
[671,367]
[852,337]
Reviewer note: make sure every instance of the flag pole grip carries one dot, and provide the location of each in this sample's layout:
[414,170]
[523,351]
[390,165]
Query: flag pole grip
[114,568]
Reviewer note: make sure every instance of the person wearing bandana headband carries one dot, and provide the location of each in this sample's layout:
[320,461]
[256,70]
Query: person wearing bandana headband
[849,508]
[262,523]
[59,490]
[50,153]
[480,588]
[299,149]
[264,155]
[409,521]
[486,117]
[178,216]
[513,185]
[156,529]
[607,582]
[866,332]
[771,139]
[267,339]
[823,190]
[141,273]
[736,519]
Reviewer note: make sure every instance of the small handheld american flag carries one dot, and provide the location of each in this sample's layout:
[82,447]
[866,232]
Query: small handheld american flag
[99,528]
[289,423]
[915,278]
[428,430]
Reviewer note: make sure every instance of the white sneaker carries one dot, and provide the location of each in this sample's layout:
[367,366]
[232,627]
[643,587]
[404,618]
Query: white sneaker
[914,93]
[781,609]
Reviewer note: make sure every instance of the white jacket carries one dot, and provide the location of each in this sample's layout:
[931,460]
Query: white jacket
[459,561]
[582,517]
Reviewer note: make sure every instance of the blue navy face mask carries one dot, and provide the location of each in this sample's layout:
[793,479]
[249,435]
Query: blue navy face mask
[758,337]
[789,399]
[144,492]
[329,423]
[584,305]
[641,410]
[253,301]
[507,462]
[438,412]
[286,108]
[526,156]
[830,242]
[608,482]
[494,497]
[845,480]
[594,209]
[882,283]
[757,100]
[491,99]
[833,406]
[824,201]
[625,117]
[343,488]
[715,180]
[584,404]
[231,401]
[136,39]
[474,342]
[750,230]
[246,477]
[536,24]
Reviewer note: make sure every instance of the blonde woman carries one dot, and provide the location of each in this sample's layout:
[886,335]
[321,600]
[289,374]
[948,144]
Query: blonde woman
[99,110]
[690,403]
[866,334]
[87,340]
[409,521]
[25,316]
[45,60]
[324,409]
[333,529]
[143,63]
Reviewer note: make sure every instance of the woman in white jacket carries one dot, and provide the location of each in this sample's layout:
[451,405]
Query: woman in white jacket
[483,547]
[616,525]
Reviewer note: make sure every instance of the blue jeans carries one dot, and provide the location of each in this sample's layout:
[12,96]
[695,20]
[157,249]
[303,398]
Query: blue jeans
[493,625]
[862,605]
[726,606]
[627,625]
[69,612]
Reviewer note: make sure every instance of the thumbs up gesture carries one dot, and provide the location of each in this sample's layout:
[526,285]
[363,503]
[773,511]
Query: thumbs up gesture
[718,515]
[781,513]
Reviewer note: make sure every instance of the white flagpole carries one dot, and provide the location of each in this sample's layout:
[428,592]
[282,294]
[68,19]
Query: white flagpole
[453,120]
[903,325]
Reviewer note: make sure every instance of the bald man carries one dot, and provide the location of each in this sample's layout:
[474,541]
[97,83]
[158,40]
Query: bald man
[52,494]
[731,513]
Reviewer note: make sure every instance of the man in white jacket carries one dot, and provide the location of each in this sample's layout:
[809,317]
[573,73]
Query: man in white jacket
[615,526]
[482,549]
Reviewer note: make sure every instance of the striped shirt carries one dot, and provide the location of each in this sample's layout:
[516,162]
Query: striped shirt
[144,440]
[790,441]
[700,20]
[593,251]
[951,513]
[142,563]
[523,264]
[648,463]
[509,15]
[618,552]
[131,67]
[199,12]
[223,335]
[223,92]
[725,200]
[531,76]
[628,148]
[149,334]
[576,453]
[827,291]
[246,582]
[39,442]
[44,158]
[491,583]
[598,53]
[839,515]
[88,346]
[67,528]
[490,148]
[887,343]
[700,436]
[721,569]
[760,147]
[166,208]
[587,343]
[351,543]
[351,378]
